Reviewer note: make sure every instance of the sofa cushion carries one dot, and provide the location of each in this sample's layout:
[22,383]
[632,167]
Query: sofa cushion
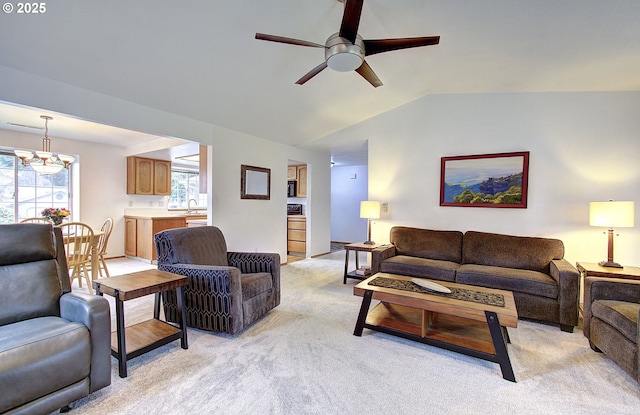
[510,279]
[619,314]
[510,251]
[427,243]
[256,283]
[41,355]
[420,267]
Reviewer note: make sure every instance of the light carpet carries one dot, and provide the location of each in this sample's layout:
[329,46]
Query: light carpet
[302,358]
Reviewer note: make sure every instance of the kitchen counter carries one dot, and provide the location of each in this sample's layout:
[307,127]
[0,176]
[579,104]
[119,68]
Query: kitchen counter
[141,226]
[160,215]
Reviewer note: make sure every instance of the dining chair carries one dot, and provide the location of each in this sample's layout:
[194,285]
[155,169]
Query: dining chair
[105,229]
[78,238]
[36,220]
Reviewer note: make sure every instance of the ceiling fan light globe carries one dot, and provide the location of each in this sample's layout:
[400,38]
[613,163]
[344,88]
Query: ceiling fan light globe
[344,62]
[342,55]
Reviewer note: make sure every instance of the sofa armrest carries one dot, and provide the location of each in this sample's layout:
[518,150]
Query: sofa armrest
[602,288]
[380,254]
[568,280]
[92,311]
[250,262]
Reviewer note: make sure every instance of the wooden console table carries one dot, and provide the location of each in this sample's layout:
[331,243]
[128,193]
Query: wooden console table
[133,341]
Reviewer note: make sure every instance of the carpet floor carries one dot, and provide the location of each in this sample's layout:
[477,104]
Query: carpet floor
[302,358]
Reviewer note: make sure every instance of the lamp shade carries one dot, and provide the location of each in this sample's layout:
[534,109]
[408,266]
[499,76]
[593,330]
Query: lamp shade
[369,209]
[611,214]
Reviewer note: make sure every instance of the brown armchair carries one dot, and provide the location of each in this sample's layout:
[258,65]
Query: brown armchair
[227,291]
[610,321]
[55,345]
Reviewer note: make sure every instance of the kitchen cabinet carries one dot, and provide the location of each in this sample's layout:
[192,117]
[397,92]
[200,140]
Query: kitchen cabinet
[202,170]
[130,235]
[148,176]
[299,174]
[302,181]
[292,173]
[297,234]
[139,233]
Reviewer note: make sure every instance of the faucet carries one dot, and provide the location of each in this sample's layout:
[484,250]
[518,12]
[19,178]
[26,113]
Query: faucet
[189,210]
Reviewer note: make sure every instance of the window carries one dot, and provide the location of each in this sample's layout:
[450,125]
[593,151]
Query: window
[25,193]
[185,185]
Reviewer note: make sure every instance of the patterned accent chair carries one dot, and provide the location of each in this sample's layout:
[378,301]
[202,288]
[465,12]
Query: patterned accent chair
[610,321]
[227,291]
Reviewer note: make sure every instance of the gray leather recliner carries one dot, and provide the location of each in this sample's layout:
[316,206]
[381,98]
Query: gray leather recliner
[54,343]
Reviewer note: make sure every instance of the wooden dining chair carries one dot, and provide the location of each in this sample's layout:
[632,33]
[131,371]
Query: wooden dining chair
[106,228]
[78,238]
[36,220]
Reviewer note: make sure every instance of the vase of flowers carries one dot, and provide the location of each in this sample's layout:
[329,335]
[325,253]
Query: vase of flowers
[56,215]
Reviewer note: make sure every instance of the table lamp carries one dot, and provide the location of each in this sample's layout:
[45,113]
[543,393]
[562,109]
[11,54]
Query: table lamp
[369,209]
[611,215]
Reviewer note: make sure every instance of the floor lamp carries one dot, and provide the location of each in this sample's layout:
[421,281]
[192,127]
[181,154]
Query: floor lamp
[369,210]
[611,215]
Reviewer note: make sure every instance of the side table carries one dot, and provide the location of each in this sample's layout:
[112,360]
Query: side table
[590,269]
[133,341]
[356,247]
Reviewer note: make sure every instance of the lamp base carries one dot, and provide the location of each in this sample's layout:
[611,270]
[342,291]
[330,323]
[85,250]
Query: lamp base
[610,264]
[369,243]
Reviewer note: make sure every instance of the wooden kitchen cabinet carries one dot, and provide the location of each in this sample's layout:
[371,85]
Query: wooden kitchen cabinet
[297,234]
[130,236]
[143,231]
[148,176]
[302,181]
[292,173]
[299,174]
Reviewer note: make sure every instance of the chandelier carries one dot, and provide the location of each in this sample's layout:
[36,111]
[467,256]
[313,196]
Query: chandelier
[45,162]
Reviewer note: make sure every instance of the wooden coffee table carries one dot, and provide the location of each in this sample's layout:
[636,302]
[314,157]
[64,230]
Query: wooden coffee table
[132,341]
[469,326]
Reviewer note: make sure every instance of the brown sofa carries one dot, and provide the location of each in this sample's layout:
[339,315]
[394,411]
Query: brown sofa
[611,309]
[544,284]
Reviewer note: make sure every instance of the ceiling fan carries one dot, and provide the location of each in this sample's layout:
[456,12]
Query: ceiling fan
[345,51]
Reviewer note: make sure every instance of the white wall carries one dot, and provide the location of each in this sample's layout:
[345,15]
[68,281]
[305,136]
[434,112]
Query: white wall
[349,186]
[248,225]
[583,147]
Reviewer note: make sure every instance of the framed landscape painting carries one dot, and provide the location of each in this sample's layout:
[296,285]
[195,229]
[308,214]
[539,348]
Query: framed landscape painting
[486,180]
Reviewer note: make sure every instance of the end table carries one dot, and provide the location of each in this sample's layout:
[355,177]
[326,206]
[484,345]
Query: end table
[356,247]
[590,269]
[130,342]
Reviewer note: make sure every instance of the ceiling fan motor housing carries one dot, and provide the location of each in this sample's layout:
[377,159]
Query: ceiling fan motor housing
[342,55]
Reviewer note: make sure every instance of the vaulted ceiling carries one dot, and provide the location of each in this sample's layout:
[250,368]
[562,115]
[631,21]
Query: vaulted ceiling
[200,58]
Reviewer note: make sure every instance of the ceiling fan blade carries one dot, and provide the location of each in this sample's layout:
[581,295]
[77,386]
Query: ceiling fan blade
[312,73]
[281,39]
[367,73]
[351,19]
[372,47]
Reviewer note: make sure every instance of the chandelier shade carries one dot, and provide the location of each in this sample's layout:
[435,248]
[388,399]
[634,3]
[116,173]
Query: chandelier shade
[45,162]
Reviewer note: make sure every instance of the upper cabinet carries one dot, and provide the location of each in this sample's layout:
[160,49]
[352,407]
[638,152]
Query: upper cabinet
[299,174]
[302,181]
[202,169]
[292,173]
[148,176]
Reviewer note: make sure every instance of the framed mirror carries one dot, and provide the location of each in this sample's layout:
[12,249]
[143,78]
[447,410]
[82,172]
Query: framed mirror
[255,182]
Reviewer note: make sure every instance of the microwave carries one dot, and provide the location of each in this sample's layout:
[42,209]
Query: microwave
[291,188]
